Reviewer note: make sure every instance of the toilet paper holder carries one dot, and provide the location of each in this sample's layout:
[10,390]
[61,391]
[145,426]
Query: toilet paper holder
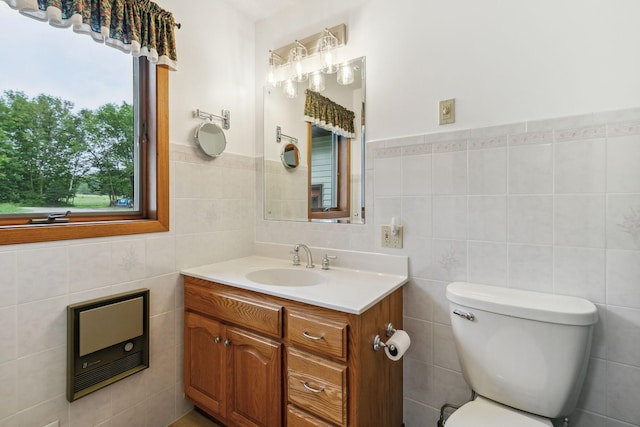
[378,343]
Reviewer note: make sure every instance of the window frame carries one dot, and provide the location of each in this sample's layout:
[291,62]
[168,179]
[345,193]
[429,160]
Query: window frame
[154,179]
[343,182]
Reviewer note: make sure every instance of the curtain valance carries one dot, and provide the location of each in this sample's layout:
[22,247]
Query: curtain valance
[328,115]
[139,27]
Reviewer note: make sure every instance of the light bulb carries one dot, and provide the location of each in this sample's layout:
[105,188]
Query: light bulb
[296,56]
[290,88]
[273,63]
[316,82]
[327,46]
[345,74]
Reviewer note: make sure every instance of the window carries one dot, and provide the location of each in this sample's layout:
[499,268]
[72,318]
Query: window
[122,166]
[329,180]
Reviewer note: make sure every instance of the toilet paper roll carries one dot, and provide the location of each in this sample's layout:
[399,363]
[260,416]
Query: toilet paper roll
[397,345]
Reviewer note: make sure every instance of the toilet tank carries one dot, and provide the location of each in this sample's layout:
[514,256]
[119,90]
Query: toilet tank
[527,350]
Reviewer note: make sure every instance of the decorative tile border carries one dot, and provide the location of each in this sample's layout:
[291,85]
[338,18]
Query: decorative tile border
[383,153]
[488,142]
[416,150]
[531,138]
[623,129]
[576,134]
[450,146]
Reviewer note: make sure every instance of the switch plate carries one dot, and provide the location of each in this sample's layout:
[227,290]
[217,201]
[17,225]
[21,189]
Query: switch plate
[390,240]
[447,111]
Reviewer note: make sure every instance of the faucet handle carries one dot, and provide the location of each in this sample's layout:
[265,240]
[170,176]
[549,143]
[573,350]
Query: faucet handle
[296,256]
[325,261]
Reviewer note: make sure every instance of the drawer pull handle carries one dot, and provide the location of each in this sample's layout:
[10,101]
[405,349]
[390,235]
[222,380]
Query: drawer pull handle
[311,337]
[216,340]
[311,389]
[227,342]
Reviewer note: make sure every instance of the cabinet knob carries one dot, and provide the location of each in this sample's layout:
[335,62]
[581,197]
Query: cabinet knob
[227,342]
[216,340]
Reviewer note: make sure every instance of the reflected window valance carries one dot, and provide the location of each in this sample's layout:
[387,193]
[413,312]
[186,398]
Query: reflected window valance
[329,115]
[139,27]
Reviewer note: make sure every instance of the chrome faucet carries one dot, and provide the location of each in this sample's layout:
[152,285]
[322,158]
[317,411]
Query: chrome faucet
[296,256]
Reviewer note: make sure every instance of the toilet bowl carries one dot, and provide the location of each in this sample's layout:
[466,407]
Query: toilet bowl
[483,412]
[523,353]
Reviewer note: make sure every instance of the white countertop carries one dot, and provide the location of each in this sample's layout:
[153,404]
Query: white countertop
[347,290]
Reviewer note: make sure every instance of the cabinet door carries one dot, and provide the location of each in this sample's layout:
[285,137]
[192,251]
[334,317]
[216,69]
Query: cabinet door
[254,380]
[204,363]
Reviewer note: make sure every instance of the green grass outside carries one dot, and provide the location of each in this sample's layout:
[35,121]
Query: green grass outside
[84,201]
[90,201]
[10,208]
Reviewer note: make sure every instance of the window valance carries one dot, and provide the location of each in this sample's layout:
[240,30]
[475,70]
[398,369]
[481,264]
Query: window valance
[329,115]
[139,27]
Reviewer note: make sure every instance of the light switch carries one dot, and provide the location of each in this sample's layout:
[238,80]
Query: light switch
[447,111]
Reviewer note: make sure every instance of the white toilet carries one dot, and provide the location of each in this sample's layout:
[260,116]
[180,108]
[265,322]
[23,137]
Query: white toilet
[523,353]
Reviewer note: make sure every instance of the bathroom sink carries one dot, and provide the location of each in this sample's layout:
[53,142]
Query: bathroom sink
[286,277]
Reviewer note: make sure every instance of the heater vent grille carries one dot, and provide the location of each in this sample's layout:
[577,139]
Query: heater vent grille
[103,373]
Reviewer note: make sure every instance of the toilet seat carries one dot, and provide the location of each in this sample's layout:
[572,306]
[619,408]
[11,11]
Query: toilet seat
[483,412]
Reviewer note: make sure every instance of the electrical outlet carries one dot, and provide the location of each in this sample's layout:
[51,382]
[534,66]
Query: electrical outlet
[390,240]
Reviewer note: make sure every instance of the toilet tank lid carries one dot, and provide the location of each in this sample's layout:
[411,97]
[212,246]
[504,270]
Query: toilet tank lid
[524,304]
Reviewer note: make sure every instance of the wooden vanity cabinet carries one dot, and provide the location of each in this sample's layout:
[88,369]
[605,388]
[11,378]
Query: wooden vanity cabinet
[226,367]
[288,363]
[204,362]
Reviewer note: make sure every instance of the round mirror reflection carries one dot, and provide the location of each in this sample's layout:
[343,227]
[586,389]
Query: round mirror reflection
[290,156]
[211,139]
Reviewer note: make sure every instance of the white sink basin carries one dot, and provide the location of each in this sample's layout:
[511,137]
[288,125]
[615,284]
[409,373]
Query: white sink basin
[286,277]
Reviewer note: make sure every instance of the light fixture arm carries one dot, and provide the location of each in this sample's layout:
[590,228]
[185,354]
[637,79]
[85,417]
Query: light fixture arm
[225,117]
[338,31]
[280,135]
[328,31]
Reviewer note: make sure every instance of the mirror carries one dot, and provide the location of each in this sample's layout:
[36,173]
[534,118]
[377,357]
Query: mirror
[211,139]
[290,156]
[294,193]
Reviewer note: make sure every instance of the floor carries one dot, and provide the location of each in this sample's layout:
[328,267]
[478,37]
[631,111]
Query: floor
[194,419]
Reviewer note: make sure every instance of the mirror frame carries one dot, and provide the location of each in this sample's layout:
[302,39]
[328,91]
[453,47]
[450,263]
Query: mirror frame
[211,143]
[296,155]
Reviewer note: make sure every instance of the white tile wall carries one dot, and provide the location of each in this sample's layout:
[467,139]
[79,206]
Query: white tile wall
[38,281]
[551,205]
[554,209]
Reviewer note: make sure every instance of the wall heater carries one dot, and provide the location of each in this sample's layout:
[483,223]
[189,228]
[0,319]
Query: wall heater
[107,340]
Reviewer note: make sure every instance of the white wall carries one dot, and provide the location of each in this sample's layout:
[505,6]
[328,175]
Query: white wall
[502,61]
[477,201]
[215,60]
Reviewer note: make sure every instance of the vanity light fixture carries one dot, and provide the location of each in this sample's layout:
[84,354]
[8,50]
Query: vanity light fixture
[297,54]
[273,63]
[346,74]
[295,60]
[327,46]
[290,88]
[316,81]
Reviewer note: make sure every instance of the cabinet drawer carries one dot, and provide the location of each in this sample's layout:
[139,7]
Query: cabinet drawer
[298,418]
[317,385]
[316,334]
[241,310]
